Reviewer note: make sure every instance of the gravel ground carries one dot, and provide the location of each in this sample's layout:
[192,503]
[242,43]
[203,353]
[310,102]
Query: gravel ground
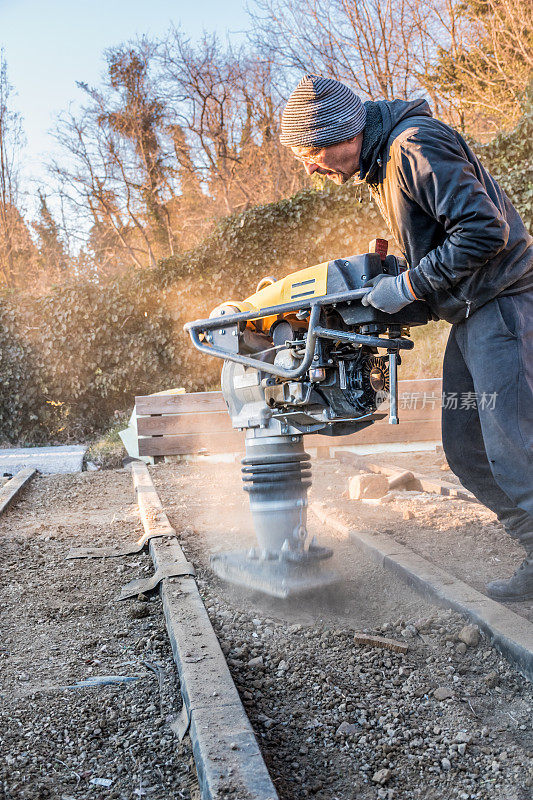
[335,720]
[60,625]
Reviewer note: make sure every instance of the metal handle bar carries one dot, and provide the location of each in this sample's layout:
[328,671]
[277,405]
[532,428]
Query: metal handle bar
[262,366]
[361,338]
[313,333]
[247,316]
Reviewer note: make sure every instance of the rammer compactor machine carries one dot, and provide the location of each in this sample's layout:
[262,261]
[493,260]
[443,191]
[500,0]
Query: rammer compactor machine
[302,355]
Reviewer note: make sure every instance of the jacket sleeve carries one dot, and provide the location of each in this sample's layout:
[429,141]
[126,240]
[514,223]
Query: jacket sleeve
[438,176]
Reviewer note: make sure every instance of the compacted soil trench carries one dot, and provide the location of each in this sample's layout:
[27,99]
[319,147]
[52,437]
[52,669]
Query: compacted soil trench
[448,719]
[338,720]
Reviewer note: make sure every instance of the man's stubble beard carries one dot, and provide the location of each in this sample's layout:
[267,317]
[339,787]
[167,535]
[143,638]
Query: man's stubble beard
[341,178]
[338,177]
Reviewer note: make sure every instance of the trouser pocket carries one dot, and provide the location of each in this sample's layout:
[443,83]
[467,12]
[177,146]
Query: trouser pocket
[507,315]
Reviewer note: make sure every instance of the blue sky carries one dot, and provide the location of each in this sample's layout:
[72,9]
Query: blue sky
[51,44]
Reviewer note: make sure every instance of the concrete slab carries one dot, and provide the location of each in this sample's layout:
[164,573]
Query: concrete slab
[47,460]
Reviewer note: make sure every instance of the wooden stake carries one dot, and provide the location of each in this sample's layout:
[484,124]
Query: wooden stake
[381,642]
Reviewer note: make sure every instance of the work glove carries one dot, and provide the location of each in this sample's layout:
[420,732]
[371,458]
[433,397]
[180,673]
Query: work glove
[388,293]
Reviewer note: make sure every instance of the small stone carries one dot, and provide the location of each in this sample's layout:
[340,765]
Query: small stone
[407,514]
[461,748]
[469,635]
[256,662]
[267,722]
[461,648]
[368,485]
[491,679]
[139,611]
[346,729]
[442,693]
[234,746]
[382,776]
[389,497]
[294,628]
[446,764]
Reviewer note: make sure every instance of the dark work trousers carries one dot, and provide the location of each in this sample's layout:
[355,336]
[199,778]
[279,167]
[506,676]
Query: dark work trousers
[487,413]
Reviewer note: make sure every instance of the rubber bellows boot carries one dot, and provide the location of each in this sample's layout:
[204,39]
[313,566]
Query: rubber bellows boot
[516,588]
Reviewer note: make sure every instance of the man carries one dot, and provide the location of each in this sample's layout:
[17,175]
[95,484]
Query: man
[471,261]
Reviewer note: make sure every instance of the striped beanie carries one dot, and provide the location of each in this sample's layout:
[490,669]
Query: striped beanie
[321,111]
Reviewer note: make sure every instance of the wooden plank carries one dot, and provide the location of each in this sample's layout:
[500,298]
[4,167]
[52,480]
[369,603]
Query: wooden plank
[195,403]
[229,442]
[219,421]
[233,441]
[198,402]
[222,737]
[11,489]
[179,424]
[175,424]
[189,423]
[382,432]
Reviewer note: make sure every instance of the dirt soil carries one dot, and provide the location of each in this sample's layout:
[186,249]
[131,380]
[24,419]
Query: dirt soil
[439,528]
[335,720]
[60,625]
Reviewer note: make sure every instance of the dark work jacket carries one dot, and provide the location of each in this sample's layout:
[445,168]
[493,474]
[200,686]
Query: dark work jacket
[463,239]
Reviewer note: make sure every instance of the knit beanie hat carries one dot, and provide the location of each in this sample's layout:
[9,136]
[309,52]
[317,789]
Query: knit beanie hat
[321,111]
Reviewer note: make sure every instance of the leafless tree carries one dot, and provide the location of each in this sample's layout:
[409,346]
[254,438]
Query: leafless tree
[225,103]
[472,58]
[374,45]
[94,181]
[485,64]
[115,172]
[15,242]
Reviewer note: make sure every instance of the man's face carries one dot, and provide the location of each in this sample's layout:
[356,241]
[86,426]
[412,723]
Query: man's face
[338,162]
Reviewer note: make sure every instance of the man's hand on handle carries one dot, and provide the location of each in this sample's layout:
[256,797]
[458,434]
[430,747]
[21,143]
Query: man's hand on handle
[388,293]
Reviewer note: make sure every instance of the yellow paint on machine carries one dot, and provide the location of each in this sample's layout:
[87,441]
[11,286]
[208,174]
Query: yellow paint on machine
[300,285]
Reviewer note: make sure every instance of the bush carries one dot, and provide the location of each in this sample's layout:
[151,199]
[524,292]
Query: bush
[23,412]
[509,157]
[73,357]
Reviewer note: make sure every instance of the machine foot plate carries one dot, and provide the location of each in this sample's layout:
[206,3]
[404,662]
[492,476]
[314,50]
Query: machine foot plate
[276,578]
